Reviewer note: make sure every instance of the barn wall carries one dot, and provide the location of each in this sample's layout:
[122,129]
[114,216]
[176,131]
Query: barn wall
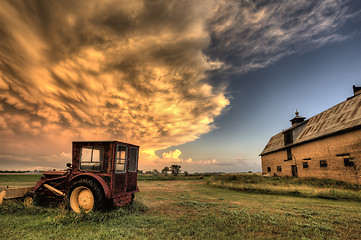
[333,150]
[276,159]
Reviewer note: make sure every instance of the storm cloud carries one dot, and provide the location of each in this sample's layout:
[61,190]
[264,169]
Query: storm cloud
[248,35]
[137,70]
[123,70]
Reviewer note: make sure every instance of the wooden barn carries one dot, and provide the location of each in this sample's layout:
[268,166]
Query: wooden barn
[327,145]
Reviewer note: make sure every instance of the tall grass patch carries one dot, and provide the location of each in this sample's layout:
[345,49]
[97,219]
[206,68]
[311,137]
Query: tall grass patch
[303,187]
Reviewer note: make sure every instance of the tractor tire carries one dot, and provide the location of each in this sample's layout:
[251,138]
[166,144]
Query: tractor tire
[31,199]
[86,195]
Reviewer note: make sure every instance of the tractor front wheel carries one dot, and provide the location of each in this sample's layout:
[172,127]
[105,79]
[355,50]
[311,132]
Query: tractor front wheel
[86,195]
[31,199]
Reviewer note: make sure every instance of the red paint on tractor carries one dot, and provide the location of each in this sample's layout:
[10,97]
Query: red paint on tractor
[108,166]
[100,180]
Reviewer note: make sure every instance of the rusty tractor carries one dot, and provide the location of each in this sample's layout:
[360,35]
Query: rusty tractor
[101,174]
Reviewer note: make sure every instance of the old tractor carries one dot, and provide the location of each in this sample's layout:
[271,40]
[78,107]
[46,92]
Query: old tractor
[101,174]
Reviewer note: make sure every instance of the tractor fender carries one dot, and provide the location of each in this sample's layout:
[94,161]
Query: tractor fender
[98,179]
[38,184]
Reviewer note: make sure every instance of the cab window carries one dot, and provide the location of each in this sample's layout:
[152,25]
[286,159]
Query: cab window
[91,158]
[121,158]
[133,159]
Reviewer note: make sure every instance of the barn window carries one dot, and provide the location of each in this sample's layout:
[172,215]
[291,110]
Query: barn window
[348,162]
[305,164]
[289,154]
[343,155]
[323,163]
[268,169]
[279,169]
[288,137]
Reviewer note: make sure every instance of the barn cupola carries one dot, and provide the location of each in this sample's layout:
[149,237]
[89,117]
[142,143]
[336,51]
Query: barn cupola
[356,90]
[297,119]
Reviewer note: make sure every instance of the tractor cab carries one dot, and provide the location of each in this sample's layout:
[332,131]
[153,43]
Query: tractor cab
[114,162]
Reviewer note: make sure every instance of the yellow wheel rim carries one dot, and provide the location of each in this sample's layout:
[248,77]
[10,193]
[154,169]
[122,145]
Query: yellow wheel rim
[28,201]
[81,199]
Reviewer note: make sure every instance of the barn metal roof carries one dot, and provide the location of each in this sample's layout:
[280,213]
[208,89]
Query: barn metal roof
[340,118]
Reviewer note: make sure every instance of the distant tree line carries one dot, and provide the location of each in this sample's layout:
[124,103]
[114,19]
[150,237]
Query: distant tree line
[18,171]
[173,169]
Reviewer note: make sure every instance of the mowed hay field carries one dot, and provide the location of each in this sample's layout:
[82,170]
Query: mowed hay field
[18,180]
[189,209]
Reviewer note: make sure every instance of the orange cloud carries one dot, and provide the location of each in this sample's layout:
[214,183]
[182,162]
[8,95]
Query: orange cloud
[101,71]
[174,157]
[136,71]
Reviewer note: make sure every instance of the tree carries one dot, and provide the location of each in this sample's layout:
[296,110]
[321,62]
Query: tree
[175,169]
[165,170]
[155,171]
[186,173]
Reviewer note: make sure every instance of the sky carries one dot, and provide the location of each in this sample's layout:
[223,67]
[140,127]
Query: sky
[202,84]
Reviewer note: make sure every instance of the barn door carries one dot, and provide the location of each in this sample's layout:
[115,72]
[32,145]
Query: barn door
[294,170]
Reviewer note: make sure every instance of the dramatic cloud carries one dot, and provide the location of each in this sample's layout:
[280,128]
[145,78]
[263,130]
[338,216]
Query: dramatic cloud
[127,70]
[247,35]
[31,163]
[174,157]
[137,70]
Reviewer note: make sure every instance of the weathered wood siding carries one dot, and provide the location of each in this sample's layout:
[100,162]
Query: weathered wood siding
[333,149]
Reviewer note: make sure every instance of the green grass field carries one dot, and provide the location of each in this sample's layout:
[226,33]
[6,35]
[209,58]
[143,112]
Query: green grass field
[18,180]
[302,187]
[190,209]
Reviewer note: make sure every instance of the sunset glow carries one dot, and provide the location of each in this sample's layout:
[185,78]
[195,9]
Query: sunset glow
[153,73]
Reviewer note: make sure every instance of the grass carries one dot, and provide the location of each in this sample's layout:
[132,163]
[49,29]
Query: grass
[303,187]
[258,179]
[161,177]
[190,210]
[17,180]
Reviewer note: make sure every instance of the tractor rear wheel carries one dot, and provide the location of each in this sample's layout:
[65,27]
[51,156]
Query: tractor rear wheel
[85,195]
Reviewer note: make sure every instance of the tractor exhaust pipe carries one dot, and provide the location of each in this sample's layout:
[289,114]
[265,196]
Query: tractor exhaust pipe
[54,190]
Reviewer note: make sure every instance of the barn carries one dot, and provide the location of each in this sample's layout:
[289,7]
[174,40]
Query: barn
[327,145]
